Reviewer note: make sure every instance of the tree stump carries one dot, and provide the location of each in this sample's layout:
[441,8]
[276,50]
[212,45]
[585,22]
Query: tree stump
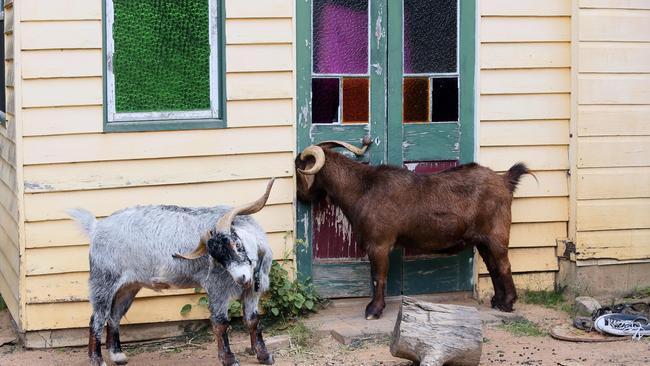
[437,334]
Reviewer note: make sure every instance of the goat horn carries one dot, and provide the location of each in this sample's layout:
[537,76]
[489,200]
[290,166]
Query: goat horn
[358,151]
[199,251]
[224,223]
[318,154]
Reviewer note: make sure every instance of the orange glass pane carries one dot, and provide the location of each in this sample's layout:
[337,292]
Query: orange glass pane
[355,100]
[416,100]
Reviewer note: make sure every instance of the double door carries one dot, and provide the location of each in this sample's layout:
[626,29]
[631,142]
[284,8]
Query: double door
[401,72]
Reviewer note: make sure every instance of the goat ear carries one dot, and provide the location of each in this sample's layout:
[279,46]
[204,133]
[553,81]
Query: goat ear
[201,249]
[199,252]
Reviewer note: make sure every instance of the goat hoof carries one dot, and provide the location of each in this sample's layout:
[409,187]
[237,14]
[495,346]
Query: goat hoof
[118,358]
[267,361]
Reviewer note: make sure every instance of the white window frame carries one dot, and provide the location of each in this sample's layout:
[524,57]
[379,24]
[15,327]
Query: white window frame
[215,72]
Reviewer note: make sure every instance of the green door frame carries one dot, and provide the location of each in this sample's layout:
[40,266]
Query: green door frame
[381,26]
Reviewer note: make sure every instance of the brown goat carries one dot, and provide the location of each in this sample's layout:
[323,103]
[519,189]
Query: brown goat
[443,212]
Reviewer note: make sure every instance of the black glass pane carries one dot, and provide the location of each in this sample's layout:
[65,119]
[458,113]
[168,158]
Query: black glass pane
[444,100]
[430,33]
[340,36]
[325,100]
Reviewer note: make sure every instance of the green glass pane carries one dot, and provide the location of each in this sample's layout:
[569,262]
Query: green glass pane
[162,55]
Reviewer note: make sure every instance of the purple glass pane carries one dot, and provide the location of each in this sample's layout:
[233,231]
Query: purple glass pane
[325,100]
[340,36]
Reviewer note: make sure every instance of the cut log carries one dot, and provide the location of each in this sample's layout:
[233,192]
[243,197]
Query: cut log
[437,334]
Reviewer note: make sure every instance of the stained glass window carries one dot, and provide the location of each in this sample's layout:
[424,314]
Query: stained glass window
[355,100]
[325,100]
[162,59]
[340,36]
[430,61]
[340,84]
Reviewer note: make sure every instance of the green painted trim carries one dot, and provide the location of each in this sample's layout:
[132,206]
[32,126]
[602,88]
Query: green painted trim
[467,71]
[303,127]
[342,279]
[170,125]
[395,92]
[378,68]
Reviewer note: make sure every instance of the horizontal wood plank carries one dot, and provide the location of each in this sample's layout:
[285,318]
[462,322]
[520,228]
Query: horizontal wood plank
[613,214]
[614,89]
[247,31]
[604,183]
[547,184]
[614,244]
[52,206]
[528,29]
[130,146]
[547,209]
[528,260]
[61,63]
[525,55]
[62,92]
[44,10]
[615,4]
[259,58]
[614,57]
[524,133]
[536,157]
[525,7]
[542,234]
[614,25]
[271,85]
[535,281]
[54,35]
[89,119]
[259,9]
[601,152]
[525,106]
[155,172]
[77,314]
[614,120]
[525,81]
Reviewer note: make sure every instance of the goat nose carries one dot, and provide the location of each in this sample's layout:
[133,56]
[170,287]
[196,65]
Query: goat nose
[244,280]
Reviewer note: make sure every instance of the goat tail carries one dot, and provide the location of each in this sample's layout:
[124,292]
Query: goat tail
[85,219]
[513,175]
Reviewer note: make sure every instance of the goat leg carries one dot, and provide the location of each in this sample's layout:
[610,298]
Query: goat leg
[95,346]
[220,329]
[379,271]
[509,291]
[258,346]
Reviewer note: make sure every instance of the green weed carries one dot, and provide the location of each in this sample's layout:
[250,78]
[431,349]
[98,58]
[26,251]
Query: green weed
[522,327]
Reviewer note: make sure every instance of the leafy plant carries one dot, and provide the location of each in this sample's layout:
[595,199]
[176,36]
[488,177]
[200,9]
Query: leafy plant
[2,304]
[288,299]
[549,299]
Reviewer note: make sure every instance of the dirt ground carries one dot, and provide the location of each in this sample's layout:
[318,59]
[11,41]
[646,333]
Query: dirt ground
[500,347]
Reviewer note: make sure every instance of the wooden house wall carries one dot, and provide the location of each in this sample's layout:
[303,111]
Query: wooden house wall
[70,162]
[9,189]
[524,110]
[612,76]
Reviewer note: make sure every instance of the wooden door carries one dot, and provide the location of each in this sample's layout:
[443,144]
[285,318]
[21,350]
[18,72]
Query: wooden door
[391,70]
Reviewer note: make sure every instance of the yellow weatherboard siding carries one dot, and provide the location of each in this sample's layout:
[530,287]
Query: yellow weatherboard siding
[10,190]
[69,161]
[524,111]
[612,218]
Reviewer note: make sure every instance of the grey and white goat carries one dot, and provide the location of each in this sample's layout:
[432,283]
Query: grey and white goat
[139,247]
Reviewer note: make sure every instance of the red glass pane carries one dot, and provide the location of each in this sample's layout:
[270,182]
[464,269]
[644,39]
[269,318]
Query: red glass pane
[355,100]
[416,100]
